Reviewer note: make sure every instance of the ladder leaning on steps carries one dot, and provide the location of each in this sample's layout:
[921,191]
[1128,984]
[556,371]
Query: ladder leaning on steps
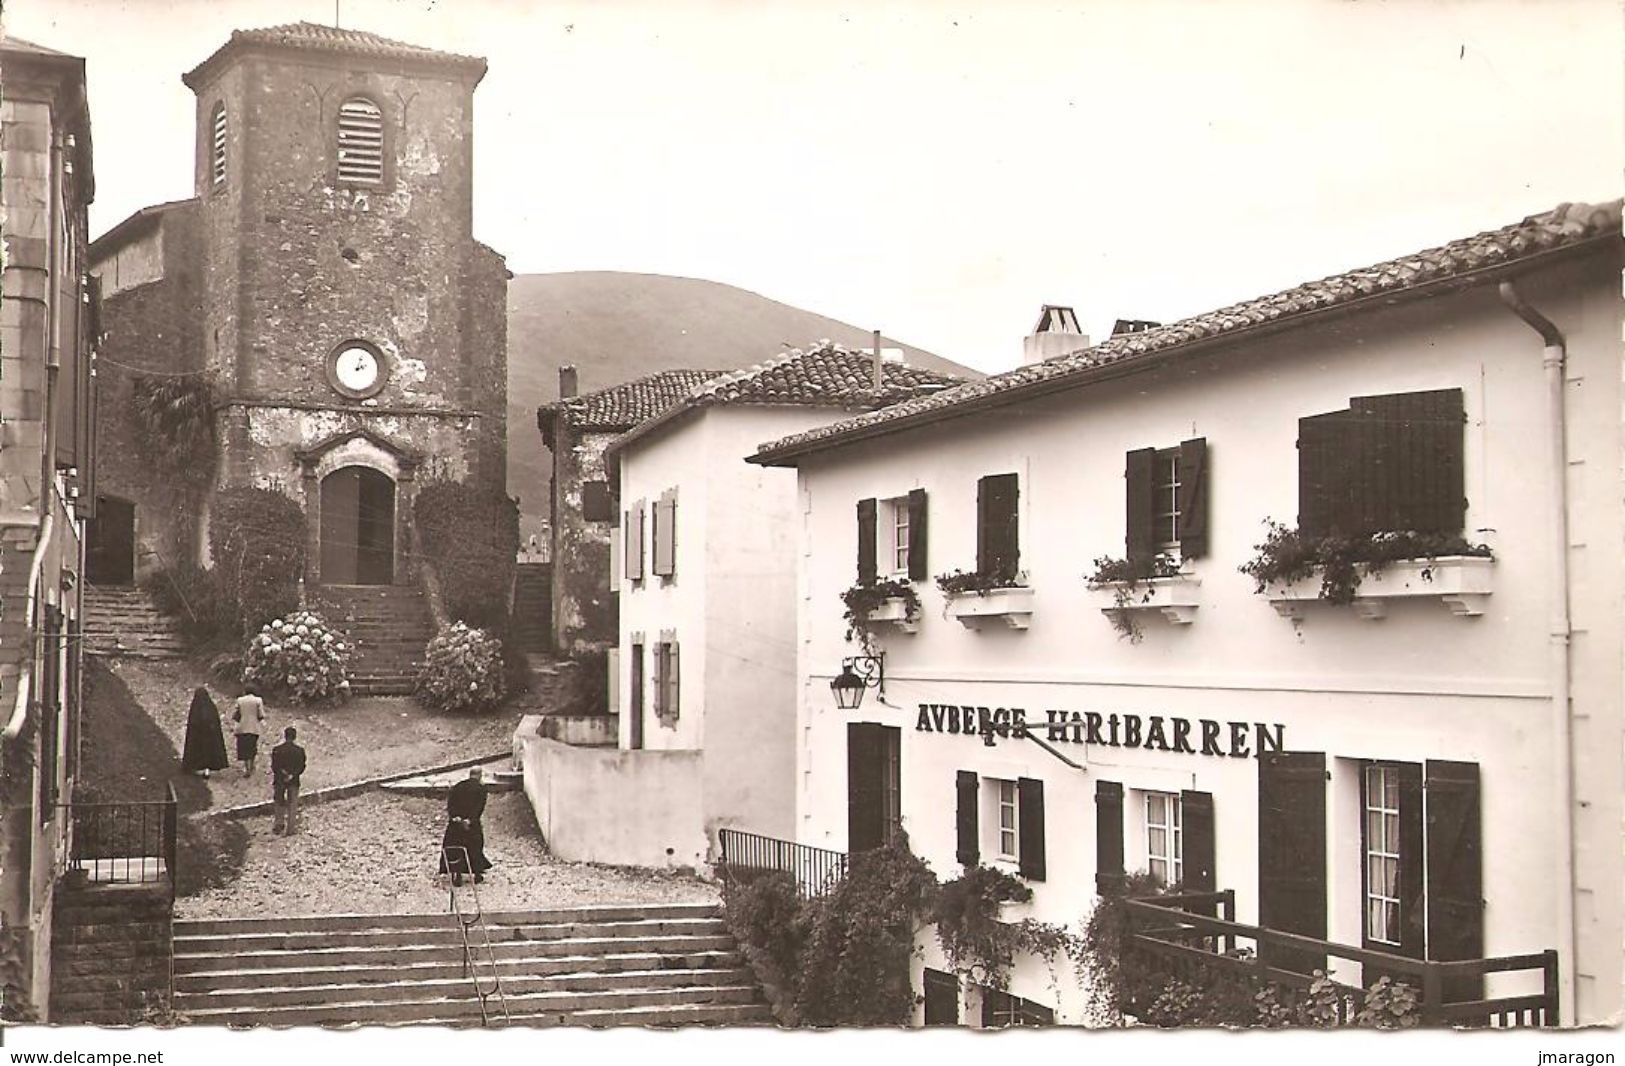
[470,915]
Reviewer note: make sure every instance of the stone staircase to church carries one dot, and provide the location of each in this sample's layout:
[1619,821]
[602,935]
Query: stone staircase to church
[388,627]
[533,607]
[660,965]
[122,620]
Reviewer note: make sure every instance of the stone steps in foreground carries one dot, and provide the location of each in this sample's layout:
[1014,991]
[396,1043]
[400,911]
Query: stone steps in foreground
[656,964]
[561,1007]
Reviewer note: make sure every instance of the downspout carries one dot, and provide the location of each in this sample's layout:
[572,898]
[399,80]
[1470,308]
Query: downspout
[1553,355]
[19,713]
[42,545]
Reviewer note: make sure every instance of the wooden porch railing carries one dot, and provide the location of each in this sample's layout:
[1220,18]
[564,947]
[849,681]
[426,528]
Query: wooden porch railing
[1182,933]
[816,870]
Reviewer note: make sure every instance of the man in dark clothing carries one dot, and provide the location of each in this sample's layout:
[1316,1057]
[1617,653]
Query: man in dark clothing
[287,764]
[462,849]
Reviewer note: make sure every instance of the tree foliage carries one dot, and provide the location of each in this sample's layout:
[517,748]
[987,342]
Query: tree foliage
[471,537]
[257,537]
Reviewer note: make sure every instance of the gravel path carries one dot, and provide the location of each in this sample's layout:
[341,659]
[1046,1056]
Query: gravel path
[364,738]
[376,854]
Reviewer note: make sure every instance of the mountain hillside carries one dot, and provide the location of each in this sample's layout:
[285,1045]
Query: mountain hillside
[614,327]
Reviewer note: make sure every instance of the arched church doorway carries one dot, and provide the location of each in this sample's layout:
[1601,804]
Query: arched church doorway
[358,527]
[110,543]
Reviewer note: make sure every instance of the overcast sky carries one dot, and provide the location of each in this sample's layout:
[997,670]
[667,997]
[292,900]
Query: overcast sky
[939,169]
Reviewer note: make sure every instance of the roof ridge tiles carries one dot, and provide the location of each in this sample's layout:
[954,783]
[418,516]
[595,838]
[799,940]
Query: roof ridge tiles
[1566,224]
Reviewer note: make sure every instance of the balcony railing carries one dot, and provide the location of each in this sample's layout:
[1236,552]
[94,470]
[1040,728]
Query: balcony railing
[123,843]
[816,870]
[1182,934]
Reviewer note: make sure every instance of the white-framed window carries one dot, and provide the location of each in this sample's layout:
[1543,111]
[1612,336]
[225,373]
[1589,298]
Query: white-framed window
[1165,512]
[1382,854]
[361,142]
[1007,846]
[1164,837]
[895,550]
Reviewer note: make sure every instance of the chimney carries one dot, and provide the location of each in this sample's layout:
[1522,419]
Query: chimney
[1057,333]
[567,382]
[878,360]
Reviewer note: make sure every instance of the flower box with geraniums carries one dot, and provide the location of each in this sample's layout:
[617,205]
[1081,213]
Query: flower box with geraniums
[300,656]
[1367,571]
[976,598]
[888,602]
[1145,585]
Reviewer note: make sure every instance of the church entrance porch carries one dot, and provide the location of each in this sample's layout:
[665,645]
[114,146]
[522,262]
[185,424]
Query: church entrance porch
[357,527]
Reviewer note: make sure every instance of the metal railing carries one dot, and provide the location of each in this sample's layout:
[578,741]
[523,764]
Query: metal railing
[123,843]
[471,918]
[816,870]
[1180,934]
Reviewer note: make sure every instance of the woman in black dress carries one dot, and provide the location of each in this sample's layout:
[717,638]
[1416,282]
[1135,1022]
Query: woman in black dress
[462,849]
[205,747]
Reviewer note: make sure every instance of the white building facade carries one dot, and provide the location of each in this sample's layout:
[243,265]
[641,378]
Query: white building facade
[704,672]
[1433,770]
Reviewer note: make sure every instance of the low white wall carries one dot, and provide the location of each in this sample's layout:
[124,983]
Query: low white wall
[626,808]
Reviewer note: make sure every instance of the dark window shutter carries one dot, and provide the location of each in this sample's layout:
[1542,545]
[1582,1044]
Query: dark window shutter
[1455,873]
[941,998]
[676,703]
[1193,498]
[1141,476]
[1030,827]
[865,825]
[1329,465]
[1196,813]
[998,545]
[866,542]
[1413,934]
[1292,853]
[969,851]
[1413,461]
[1108,837]
[916,536]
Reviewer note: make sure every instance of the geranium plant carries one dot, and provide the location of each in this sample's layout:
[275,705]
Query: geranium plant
[862,600]
[1287,555]
[300,655]
[462,670]
[957,582]
[1129,579]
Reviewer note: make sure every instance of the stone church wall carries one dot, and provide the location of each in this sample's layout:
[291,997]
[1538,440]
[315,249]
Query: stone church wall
[154,328]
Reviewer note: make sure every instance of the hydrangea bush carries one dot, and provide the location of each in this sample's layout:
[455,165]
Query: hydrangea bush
[462,670]
[300,655]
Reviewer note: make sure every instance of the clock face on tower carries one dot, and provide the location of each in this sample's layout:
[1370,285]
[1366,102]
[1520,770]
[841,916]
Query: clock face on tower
[356,370]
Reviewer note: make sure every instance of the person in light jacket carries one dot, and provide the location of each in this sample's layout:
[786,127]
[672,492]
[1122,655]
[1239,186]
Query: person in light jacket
[248,723]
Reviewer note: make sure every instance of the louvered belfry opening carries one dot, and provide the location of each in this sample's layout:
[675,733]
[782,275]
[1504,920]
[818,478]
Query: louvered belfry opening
[361,142]
[218,159]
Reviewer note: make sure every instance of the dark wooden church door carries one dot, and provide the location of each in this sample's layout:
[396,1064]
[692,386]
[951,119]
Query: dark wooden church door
[358,527]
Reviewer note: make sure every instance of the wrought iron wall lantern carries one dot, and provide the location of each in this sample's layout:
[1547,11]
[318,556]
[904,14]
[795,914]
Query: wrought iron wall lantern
[858,672]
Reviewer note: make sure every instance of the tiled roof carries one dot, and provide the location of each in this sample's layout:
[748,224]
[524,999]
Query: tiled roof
[312,36]
[17,44]
[620,407]
[822,375]
[1461,261]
